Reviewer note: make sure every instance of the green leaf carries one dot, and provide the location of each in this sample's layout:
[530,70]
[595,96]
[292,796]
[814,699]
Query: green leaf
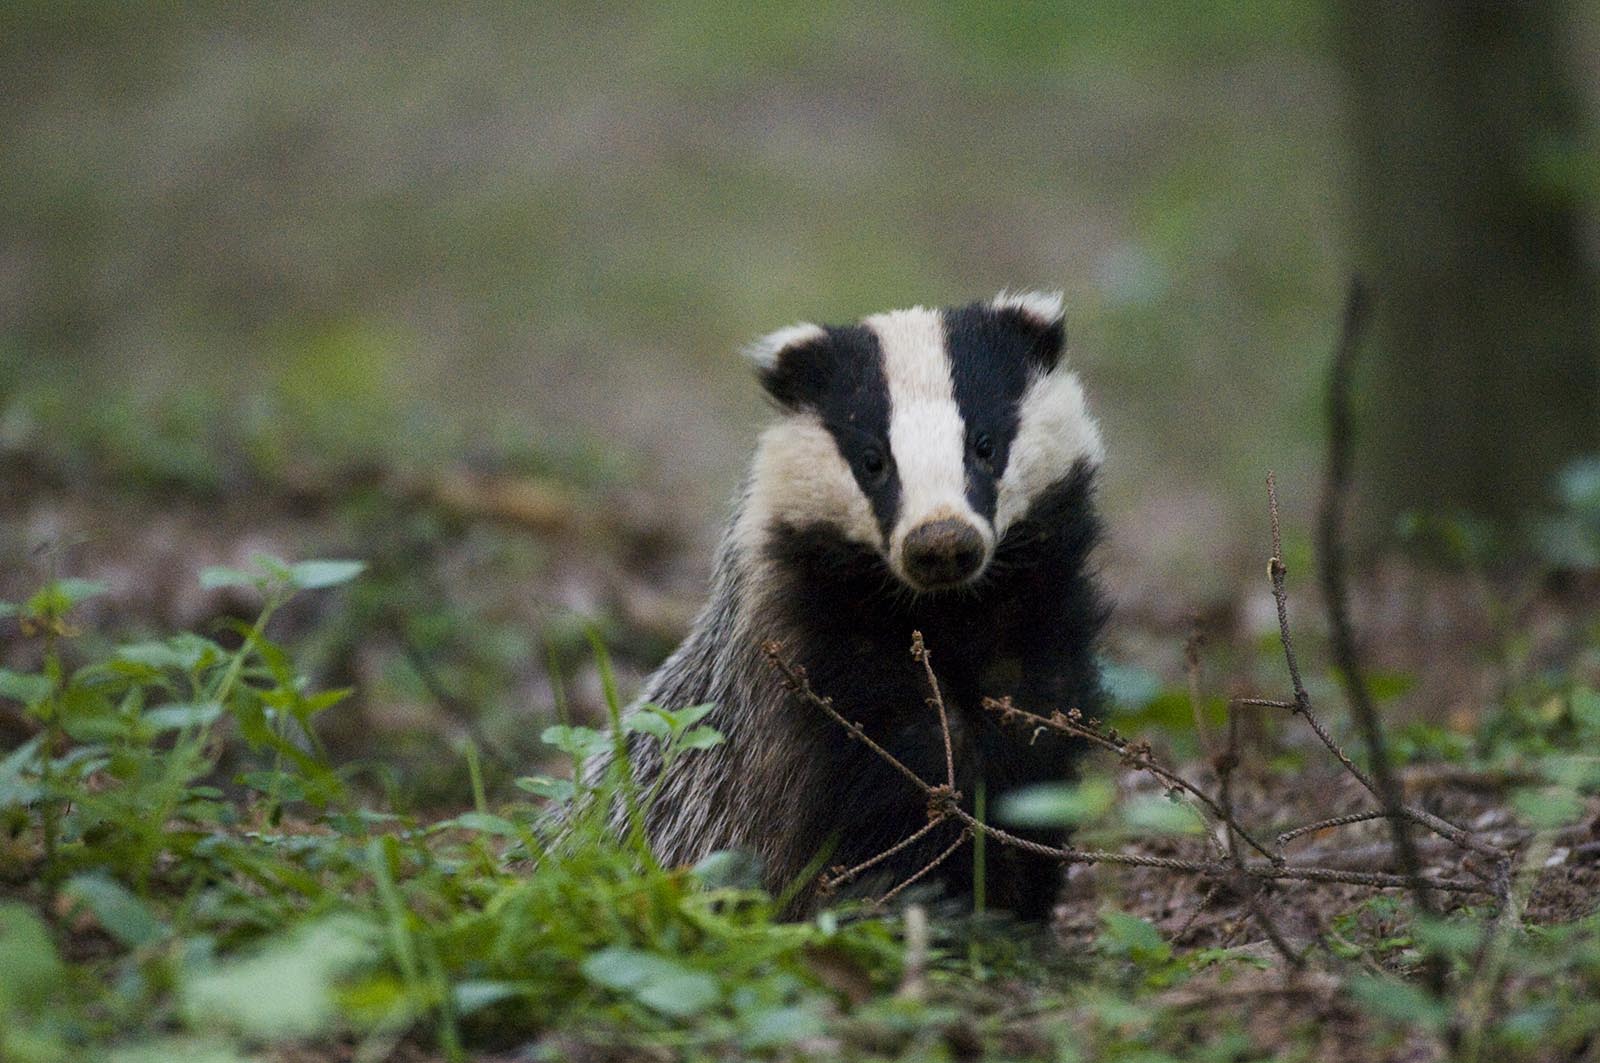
[31,971]
[657,982]
[178,1050]
[579,742]
[1159,814]
[1056,804]
[287,990]
[1135,938]
[1586,708]
[484,823]
[14,789]
[775,1027]
[176,717]
[650,721]
[701,738]
[1453,937]
[477,995]
[1547,807]
[1400,1001]
[57,597]
[544,786]
[1129,688]
[315,575]
[124,916]
[216,577]
[322,701]
[185,652]
[683,719]
[729,869]
[27,688]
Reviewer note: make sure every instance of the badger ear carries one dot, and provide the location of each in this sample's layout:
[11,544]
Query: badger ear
[786,362]
[1041,316]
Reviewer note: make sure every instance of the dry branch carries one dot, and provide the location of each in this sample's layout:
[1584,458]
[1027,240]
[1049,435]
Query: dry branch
[944,806]
[1330,551]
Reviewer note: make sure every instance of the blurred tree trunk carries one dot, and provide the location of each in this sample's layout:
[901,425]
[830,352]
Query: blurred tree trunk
[1487,376]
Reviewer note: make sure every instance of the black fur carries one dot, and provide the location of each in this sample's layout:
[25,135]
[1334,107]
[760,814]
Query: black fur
[1027,628]
[839,377]
[993,355]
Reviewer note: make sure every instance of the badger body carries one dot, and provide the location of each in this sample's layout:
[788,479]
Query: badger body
[933,471]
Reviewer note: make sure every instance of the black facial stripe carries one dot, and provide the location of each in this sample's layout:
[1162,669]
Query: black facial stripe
[992,354]
[854,407]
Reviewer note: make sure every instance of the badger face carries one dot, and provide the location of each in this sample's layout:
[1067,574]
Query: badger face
[922,434]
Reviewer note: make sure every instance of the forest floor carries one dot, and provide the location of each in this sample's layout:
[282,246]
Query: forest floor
[175,854]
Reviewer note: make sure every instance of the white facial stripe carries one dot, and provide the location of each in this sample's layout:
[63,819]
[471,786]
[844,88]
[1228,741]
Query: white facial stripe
[800,477]
[1054,431]
[926,432]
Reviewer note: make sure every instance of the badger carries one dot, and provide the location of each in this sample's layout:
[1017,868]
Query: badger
[928,470]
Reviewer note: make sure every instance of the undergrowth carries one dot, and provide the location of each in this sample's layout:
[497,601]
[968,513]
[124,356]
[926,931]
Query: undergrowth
[187,873]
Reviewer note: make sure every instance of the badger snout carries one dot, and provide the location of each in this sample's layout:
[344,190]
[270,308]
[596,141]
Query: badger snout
[942,553]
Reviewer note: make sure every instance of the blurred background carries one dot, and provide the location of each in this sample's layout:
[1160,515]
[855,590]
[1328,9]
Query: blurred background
[458,291]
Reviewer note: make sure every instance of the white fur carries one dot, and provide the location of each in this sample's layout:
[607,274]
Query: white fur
[1054,430]
[763,353]
[1043,307]
[800,477]
[926,433]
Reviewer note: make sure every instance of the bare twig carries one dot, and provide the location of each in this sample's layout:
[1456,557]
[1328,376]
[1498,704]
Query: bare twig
[1137,756]
[1224,765]
[919,651]
[961,840]
[842,876]
[1323,824]
[1294,958]
[1191,663]
[796,677]
[1270,703]
[1216,868]
[1280,598]
[1205,902]
[1335,593]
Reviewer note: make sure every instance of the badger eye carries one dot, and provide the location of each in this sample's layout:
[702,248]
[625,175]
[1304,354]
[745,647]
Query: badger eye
[982,447]
[873,463]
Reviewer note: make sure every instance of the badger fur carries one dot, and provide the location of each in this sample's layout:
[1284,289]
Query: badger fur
[929,470]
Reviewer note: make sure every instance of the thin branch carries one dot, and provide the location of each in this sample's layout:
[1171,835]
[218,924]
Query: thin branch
[1323,824]
[846,875]
[1336,594]
[1214,868]
[1420,816]
[1191,663]
[1274,935]
[1280,598]
[961,840]
[1270,703]
[1224,765]
[919,651]
[798,682]
[1073,723]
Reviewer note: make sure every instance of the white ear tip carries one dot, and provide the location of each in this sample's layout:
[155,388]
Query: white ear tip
[1044,307]
[763,353]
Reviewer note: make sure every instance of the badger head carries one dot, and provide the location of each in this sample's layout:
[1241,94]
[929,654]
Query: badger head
[921,434]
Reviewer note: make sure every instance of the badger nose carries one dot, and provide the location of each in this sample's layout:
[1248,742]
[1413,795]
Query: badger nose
[942,552]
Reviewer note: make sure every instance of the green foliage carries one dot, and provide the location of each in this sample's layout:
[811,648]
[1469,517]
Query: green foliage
[202,880]
[255,897]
